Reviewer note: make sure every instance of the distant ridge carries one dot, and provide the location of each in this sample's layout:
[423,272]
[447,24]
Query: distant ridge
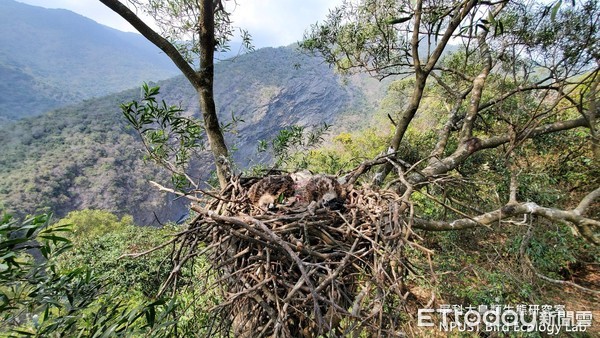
[53,57]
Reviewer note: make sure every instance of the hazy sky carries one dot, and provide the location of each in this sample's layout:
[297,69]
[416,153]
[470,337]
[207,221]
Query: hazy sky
[270,22]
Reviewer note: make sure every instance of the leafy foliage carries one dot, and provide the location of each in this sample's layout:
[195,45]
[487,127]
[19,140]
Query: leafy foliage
[169,137]
[100,239]
[178,19]
[78,157]
[62,280]
[291,141]
[38,299]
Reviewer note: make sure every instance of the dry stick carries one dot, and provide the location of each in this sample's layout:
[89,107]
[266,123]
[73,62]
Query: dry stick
[296,287]
[175,259]
[453,200]
[233,297]
[406,198]
[214,195]
[422,248]
[282,245]
[265,306]
[138,254]
[238,234]
[266,327]
[176,270]
[236,256]
[339,269]
[233,220]
[365,166]
[228,276]
[230,298]
[410,189]
[411,219]
[455,210]
[374,248]
[304,250]
[374,244]
[179,193]
[293,256]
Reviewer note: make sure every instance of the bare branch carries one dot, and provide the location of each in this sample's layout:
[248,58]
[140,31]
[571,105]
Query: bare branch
[155,38]
[178,193]
[511,210]
[495,141]
[465,149]
[586,201]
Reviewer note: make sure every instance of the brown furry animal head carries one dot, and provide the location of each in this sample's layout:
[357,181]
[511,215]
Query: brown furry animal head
[269,190]
[326,191]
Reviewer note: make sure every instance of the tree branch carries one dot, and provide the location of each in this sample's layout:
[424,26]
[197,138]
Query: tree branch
[586,201]
[465,149]
[155,38]
[495,141]
[511,210]
[421,75]
[517,90]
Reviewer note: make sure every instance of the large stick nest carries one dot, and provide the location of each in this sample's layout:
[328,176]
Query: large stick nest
[299,272]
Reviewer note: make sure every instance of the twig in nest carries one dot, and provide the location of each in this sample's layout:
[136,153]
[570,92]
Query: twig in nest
[295,272]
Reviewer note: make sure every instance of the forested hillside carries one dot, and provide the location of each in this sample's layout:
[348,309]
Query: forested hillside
[85,156]
[459,198]
[51,57]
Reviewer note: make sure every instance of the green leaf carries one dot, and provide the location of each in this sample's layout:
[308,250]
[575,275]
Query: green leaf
[555,9]
[399,20]
[55,238]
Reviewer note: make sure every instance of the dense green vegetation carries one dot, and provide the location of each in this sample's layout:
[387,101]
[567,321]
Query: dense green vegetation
[75,158]
[73,278]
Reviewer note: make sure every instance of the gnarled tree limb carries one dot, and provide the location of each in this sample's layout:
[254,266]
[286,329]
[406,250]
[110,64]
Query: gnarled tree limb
[582,224]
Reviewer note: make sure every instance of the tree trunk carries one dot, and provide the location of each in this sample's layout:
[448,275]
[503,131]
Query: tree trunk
[206,32]
[403,122]
[202,80]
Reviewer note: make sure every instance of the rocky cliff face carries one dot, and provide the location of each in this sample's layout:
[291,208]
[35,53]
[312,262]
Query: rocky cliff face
[274,88]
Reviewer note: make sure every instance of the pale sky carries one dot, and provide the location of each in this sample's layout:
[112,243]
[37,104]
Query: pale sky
[272,23]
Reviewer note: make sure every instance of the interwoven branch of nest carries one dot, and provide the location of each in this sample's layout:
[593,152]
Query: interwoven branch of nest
[307,268]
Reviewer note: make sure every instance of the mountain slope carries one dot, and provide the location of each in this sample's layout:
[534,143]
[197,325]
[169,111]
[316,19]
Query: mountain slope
[53,57]
[85,156]
[273,88]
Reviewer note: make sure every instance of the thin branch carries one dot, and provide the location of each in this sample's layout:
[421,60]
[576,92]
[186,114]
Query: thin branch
[442,166]
[529,264]
[139,254]
[155,38]
[178,193]
[587,201]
